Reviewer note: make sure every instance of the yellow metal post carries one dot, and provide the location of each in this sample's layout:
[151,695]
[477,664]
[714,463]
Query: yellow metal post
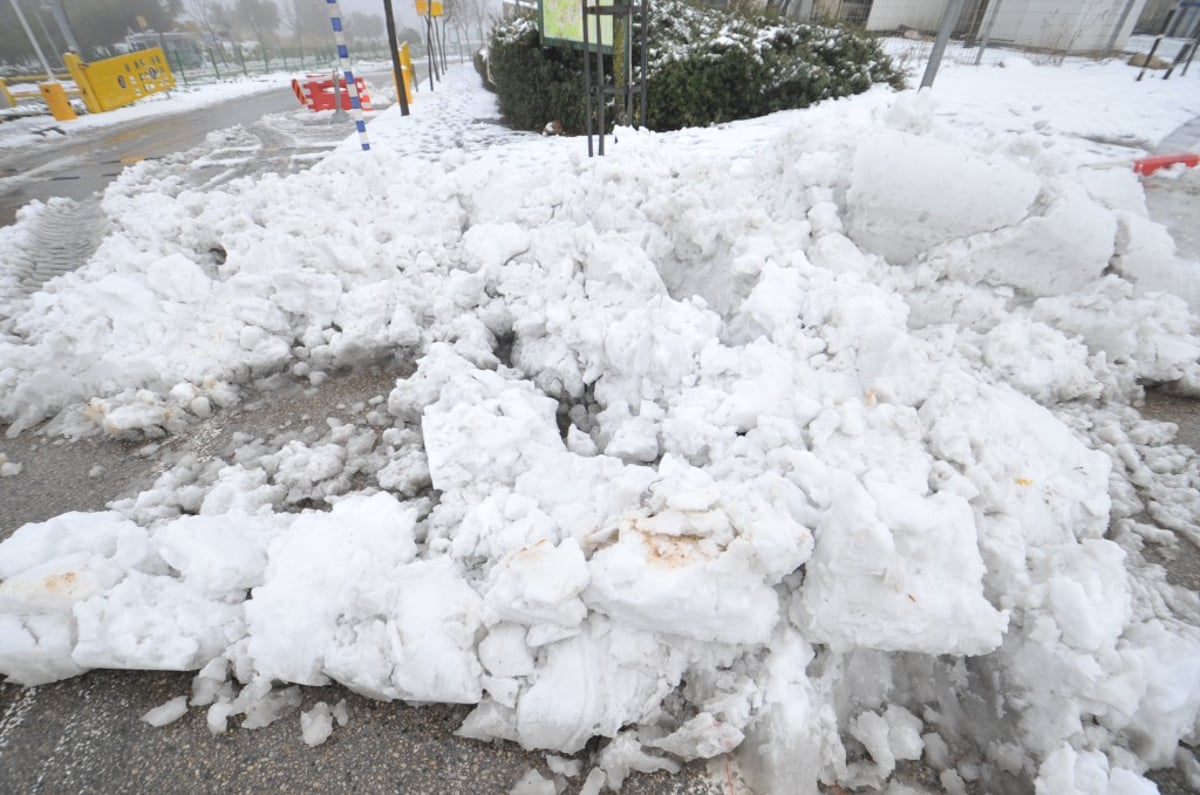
[8,99]
[56,100]
[406,67]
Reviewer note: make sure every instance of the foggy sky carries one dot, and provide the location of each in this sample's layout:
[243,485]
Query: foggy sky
[405,10]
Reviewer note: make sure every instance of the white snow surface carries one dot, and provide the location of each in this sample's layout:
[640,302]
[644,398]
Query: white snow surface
[805,434]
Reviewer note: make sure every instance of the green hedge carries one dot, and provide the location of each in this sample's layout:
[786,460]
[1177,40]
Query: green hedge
[704,66]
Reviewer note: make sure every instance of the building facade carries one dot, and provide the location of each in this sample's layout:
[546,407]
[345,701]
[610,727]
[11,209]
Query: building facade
[1059,25]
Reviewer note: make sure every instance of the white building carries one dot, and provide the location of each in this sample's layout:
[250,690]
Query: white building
[1061,25]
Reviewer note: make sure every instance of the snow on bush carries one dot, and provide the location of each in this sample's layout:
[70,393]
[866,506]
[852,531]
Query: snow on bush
[704,66]
[705,445]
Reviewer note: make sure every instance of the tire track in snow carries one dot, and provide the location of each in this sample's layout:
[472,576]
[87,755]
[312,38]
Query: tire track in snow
[61,237]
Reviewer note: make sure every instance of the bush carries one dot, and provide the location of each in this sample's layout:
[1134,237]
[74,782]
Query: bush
[703,66]
[535,85]
[480,60]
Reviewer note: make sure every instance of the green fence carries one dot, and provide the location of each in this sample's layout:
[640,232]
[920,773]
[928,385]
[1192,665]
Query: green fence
[233,61]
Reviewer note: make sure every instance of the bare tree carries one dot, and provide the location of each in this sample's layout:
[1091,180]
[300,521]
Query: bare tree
[207,14]
[481,13]
[304,18]
[453,15]
[260,17]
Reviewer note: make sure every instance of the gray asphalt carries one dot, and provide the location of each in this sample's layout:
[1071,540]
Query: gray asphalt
[76,170]
[85,736]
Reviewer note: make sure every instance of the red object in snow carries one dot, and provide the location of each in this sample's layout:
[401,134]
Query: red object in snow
[1148,165]
[317,93]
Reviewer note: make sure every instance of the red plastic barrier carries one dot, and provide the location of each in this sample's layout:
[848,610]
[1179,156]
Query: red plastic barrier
[1148,165]
[318,94]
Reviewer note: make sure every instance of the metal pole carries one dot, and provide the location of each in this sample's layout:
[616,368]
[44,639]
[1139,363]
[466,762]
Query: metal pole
[397,70]
[1195,46]
[1116,34]
[1157,42]
[600,72]
[1184,55]
[45,32]
[642,29]
[989,23]
[429,38]
[64,24]
[587,76]
[953,11]
[33,40]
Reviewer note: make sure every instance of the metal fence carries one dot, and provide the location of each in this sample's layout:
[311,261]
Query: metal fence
[234,61]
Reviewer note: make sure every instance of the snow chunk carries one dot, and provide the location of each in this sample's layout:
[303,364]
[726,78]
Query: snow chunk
[593,684]
[897,571]
[166,713]
[910,193]
[684,572]
[316,724]
[177,278]
[539,584]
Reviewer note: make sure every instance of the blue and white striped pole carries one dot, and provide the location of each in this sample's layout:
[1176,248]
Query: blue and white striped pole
[339,37]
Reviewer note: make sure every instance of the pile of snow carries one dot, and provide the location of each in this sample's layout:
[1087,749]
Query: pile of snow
[785,436]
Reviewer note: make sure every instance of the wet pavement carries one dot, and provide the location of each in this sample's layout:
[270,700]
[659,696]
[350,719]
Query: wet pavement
[79,168]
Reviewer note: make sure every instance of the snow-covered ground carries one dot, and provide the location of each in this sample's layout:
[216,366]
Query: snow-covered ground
[809,438]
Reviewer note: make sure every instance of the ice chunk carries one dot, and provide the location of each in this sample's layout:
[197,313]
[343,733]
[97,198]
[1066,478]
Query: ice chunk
[624,755]
[316,724]
[504,653]
[670,573]
[166,713]
[700,738]
[897,571]
[539,584]
[562,766]
[593,684]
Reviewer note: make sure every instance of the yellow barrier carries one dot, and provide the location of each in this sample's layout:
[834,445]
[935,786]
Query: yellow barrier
[406,69]
[11,98]
[116,82]
[57,102]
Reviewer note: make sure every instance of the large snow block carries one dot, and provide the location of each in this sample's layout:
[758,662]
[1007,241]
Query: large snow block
[897,571]
[910,193]
[684,583]
[1065,249]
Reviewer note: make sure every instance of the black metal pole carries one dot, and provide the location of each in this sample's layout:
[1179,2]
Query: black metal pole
[600,74]
[587,77]
[397,69]
[1155,46]
[429,42]
[1180,58]
[644,29]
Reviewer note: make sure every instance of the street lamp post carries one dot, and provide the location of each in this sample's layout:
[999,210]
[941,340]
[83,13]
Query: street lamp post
[33,40]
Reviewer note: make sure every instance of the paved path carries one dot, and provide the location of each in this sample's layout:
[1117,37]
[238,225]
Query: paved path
[1185,139]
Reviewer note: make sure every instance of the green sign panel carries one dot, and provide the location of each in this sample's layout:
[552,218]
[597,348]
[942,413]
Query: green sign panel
[562,24]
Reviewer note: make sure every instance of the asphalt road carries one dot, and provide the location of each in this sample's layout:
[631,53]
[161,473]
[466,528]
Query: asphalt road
[79,168]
